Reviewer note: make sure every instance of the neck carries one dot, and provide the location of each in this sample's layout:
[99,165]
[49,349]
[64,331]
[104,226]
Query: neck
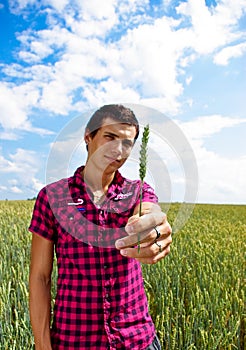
[96,180]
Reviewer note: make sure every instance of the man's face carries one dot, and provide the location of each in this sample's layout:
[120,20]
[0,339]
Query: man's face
[111,145]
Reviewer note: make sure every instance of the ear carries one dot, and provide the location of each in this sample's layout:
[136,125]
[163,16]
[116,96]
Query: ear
[87,136]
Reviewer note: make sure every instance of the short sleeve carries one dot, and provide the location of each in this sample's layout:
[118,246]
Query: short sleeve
[42,221]
[148,194]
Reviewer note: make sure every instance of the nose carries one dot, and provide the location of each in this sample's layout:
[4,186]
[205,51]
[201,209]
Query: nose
[117,148]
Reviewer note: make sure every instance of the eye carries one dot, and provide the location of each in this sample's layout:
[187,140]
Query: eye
[109,137]
[127,144]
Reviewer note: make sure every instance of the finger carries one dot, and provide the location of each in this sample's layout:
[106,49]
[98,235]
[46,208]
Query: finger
[147,236]
[149,251]
[154,260]
[147,255]
[145,222]
[147,208]
[134,239]
[132,220]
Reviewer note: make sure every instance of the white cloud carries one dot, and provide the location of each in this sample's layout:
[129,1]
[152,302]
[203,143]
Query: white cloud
[24,165]
[13,113]
[8,135]
[151,67]
[58,5]
[15,189]
[38,51]
[15,104]
[188,80]
[94,19]
[221,179]
[145,62]
[205,126]
[100,95]
[38,73]
[55,97]
[36,184]
[22,161]
[215,27]
[229,52]
[18,5]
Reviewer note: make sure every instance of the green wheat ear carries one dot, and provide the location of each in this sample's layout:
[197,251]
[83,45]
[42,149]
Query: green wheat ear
[143,168]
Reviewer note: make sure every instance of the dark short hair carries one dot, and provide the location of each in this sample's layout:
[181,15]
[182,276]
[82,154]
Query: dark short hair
[117,112]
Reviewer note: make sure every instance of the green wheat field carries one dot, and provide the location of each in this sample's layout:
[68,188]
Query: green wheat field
[196,295]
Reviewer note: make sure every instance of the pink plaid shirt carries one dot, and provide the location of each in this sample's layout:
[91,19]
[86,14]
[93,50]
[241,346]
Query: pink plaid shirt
[100,301]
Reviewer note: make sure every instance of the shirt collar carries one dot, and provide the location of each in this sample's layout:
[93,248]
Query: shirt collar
[115,187]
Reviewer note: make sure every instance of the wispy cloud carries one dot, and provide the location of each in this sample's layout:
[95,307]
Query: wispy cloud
[212,28]
[221,178]
[24,167]
[15,105]
[230,52]
[204,126]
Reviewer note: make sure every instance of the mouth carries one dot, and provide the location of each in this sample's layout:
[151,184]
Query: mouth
[112,160]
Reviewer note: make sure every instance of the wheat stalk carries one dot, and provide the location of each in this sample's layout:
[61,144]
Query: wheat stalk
[143,168]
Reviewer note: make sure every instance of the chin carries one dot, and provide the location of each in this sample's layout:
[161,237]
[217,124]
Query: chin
[113,166]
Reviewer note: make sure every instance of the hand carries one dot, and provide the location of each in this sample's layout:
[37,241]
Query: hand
[142,228]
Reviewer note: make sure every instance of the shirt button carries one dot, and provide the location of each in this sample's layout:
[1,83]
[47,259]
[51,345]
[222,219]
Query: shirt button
[105,267]
[107,297]
[71,217]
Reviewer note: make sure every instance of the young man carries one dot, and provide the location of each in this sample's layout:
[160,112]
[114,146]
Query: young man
[92,221]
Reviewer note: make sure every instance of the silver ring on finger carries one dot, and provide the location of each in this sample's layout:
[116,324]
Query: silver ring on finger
[159,245]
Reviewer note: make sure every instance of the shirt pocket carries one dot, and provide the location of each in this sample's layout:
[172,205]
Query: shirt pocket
[69,222]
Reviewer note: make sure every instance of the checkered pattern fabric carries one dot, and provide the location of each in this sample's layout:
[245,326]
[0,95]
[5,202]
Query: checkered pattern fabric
[100,301]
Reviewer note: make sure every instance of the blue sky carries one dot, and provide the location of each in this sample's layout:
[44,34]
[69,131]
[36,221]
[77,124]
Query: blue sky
[61,59]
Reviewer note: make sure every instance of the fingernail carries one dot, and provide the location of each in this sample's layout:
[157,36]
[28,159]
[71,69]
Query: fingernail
[119,244]
[129,229]
[123,252]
